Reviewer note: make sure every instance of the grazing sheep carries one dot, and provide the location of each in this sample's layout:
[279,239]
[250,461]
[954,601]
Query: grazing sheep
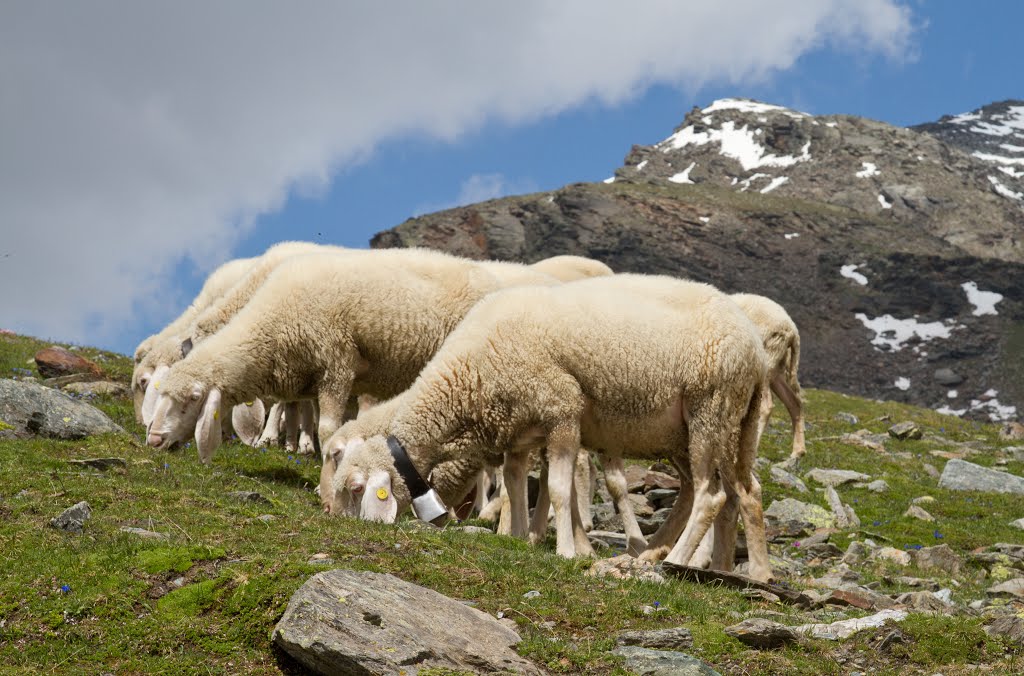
[171,347]
[219,281]
[570,268]
[782,344]
[611,366]
[365,324]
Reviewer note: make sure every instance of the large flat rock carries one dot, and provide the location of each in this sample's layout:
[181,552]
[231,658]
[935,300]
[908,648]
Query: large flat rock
[960,475]
[30,410]
[350,622]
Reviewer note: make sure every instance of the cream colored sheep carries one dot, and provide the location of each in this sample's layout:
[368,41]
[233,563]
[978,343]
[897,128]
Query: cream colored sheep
[613,368]
[570,268]
[782,344]
[219,281]
[365,324]
[170,348]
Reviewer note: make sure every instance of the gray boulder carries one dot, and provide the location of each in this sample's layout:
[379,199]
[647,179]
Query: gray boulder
[836,477]
[73,518]
[947,377]
[960,475]
[790,510]
[647,662]
[33,410]
[758,632]
[350,622]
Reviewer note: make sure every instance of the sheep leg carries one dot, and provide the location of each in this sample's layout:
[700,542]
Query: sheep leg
[493,508]
[307,428]
[514,474]
[483,489]
[271,435]
[706,505]
[563,445]
[749,494]
[615,479]
[291,426]
[332,398]
[579,534]
[505,517]
[583,482]
[668,533]
[539,521]
[795,408]
[702,557]
[723,554]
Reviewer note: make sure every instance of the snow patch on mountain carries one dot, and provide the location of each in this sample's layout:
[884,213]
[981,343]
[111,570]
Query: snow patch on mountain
[739,144]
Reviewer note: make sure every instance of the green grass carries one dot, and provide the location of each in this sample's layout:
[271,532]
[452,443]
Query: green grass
[206,598]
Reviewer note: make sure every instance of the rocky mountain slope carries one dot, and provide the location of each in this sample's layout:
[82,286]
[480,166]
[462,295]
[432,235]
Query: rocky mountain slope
[899,252]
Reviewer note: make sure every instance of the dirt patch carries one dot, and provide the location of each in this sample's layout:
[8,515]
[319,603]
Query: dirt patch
[162,584]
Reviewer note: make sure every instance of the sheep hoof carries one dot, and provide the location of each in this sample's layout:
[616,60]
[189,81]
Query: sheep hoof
[654,555]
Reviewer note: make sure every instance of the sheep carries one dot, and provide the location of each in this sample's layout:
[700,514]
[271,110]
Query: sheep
[781,340]
[571,268]
[611,366]
[171,347]
[366,324]
[219,281]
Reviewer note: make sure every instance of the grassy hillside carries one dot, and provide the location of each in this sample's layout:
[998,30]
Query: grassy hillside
[206,598]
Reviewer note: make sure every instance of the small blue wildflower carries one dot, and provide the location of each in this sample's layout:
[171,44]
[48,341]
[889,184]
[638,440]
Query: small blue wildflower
[938,535]
[166,466]
[796,543]
[289,458]
[855,501]
[298,461]
[188,444]
[263,450]
[876,523]
[657,604]
[65,589]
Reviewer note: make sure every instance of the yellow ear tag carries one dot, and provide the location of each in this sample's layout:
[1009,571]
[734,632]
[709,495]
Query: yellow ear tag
[248,403]
[156,385]
[215,414]
[382,494]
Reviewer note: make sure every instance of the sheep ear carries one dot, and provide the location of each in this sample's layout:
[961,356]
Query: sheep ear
[186,347]
[247,419]
[379,502]
[208,427]
[153,393]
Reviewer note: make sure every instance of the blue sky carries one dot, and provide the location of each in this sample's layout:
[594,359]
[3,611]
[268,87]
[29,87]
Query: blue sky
[135,166]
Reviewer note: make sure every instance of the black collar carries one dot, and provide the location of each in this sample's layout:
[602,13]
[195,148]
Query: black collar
[413,481]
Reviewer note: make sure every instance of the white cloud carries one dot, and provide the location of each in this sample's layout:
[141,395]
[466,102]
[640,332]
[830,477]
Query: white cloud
[138,135]
[480,188]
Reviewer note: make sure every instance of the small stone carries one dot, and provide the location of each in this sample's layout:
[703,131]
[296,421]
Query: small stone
[1010,589]
[924,601]
[761,633]
[847,628]
[676,638]
[625,567]
[917,512]
[73,518]
[97,387]
[877,486]
[635,475]
[249,496]
[661,497]
[102,464]
[930,470]
[1012,430]
[856,553]
[940,557]
[788,509]
[266,518]
[922,500]
[640,505]
[836,477]
[930,585]
[1011,627]
[905,430]
[761,595]
[838,512]
[143,533]
[609,539]
[532,594]
[784,478]
[650,524]
[893,555]
[848,418]
[654,479]
[1019,523]
[947,377]
[477,530]
[823,550]
[321,559]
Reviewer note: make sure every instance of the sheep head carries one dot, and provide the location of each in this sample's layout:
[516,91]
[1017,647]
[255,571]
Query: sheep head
[149,383]
[333,451]
[366,483]
[178,412]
